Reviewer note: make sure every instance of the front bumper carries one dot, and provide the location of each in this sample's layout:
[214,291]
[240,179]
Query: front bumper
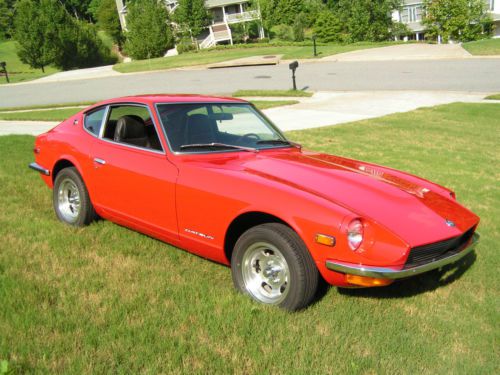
[390,273]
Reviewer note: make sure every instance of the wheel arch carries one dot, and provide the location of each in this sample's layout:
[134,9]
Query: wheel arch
[242,223]
[64,162]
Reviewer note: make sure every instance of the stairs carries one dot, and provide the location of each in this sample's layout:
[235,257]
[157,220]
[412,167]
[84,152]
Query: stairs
[218,33]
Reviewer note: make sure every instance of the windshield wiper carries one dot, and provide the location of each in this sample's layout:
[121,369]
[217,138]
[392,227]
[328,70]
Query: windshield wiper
[218,145]
[278,142]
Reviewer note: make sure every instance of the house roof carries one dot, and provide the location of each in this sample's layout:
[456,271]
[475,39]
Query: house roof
[219,3]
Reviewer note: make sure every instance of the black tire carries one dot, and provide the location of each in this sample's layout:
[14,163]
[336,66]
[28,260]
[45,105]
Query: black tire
[71,199]
[272,265]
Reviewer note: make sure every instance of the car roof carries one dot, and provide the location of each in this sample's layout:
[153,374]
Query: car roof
[171,98]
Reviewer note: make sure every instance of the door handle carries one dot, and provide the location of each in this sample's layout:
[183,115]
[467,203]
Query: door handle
[100,161]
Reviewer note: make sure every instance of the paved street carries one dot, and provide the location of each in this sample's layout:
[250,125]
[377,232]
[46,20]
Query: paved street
[466,75]
[323,108]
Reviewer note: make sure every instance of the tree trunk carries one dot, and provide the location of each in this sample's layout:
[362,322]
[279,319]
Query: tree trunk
[43,70]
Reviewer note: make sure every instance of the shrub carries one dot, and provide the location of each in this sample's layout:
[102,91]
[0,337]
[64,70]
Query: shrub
[185,44]
[328,28]
[109,21]
[298,28]
[283,32]
[149,34]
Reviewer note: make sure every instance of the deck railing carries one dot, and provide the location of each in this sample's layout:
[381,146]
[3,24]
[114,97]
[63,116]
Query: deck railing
[242,17]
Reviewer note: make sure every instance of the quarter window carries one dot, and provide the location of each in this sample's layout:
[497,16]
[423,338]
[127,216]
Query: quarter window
[93,121]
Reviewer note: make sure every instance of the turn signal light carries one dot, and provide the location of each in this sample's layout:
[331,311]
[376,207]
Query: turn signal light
[367,281]
[323,239]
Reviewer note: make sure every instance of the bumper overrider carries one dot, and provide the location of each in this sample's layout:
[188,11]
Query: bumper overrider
[391,273]
[39,168]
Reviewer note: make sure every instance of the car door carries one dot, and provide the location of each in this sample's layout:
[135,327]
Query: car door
[133,182]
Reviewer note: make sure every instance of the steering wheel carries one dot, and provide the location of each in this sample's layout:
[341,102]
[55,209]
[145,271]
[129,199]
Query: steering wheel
[249,136]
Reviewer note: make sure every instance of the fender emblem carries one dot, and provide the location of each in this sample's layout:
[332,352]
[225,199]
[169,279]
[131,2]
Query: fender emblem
[196,233]
[450,223]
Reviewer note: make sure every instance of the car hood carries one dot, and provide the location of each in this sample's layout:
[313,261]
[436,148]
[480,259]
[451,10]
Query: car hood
[409,207]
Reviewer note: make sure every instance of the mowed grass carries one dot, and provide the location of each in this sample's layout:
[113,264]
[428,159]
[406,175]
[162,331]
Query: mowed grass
[271,93]
[60,114]
[18,71]
[483,47]
[493,97]
[211,56]
[105,299]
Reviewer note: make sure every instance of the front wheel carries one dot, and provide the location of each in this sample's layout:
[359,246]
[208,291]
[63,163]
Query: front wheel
[271,264]
[71,199]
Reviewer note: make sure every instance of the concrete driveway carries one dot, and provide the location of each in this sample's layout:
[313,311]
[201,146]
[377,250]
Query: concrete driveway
[401,52]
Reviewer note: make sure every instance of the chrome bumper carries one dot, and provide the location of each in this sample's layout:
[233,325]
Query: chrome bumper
[39,168]
[390,273]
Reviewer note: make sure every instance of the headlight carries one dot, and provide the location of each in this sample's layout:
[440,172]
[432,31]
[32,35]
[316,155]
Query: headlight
[355,233]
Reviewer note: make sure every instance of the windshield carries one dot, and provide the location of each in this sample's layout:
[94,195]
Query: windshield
[213,127]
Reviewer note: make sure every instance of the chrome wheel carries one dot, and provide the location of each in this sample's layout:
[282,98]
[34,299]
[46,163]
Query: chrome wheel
[265,272]
[68,200]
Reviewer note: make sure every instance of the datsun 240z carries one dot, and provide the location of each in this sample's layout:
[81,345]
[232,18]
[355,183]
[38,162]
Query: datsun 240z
[214,176]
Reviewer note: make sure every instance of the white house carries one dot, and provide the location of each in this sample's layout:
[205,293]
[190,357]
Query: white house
[412,11]
[224,13]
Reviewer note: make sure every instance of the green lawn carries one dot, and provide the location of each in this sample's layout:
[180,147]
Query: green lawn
[105,299]
[217,55]
[483,47]
[293,93]
[493,97]
[60,114]
[17,70]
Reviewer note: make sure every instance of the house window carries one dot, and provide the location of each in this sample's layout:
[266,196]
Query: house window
[411,13]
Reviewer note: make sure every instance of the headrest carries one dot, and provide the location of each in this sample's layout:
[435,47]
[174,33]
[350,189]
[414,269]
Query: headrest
[128,127]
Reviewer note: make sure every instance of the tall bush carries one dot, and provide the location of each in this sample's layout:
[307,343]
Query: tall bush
[53,36]
[460,20]
[149,34]
[108,20]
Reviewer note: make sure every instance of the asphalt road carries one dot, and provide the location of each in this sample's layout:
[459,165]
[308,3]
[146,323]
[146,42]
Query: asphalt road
[477,75]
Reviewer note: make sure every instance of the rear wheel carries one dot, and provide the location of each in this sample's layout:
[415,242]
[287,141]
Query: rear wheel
[71,199]
[271,264]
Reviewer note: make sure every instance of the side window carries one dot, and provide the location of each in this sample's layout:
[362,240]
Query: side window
[93,121]
[132,124]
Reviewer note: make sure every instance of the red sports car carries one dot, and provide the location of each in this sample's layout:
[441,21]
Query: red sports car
[214,176]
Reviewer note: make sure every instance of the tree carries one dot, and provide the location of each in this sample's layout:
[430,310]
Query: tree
[193,15]
[355,21]
[6,18]
[328,27]
[149,34]
[109,21]
[460,20]
[78,8]
[286,11]
[53,36]
[34,45]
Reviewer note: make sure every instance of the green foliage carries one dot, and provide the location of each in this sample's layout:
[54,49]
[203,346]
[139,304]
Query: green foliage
[149,34]
[328,27]
[54,37]
[193,16]
[286,11]
[356,21]
[4,367]
[460,20]
[6,19]
[33,37]
[94,8]
[298,28]
[185,44]
[108,20]
[282,32]
[77,8]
